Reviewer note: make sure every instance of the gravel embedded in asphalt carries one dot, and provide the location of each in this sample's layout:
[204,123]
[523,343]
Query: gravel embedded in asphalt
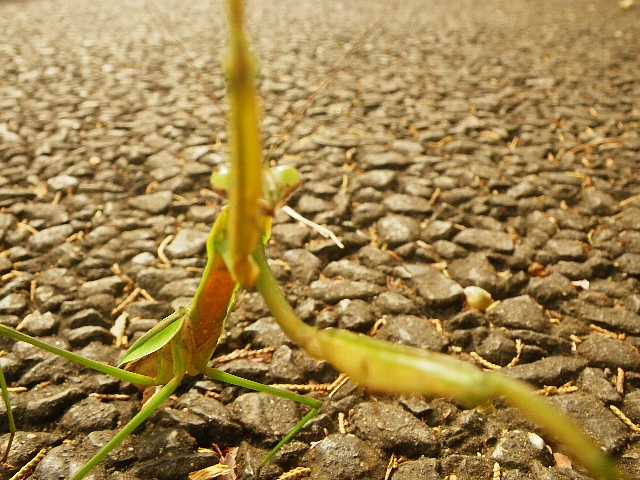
[501,140]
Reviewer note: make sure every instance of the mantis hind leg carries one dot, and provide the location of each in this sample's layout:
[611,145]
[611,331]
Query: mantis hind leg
[259,387]
[12,425]
[154,402]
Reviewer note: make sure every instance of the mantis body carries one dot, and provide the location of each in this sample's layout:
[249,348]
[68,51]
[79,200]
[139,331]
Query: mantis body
[183,343]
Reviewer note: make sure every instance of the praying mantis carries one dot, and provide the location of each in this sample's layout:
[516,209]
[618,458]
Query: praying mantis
[183,343]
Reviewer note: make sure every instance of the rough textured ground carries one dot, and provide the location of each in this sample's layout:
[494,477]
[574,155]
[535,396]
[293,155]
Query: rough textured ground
[462,145]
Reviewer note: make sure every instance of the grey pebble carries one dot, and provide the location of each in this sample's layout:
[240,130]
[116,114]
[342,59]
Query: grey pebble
[112,285]
[594,381]
[607,352]
[346,457]
[436,289]
[264,415]
[485,239]
[567,249]
[407,204]
[631,405]
[370,161]
[83,336]
[333,291]
[616,318]
[290,235]
[13,304]
[89,415]
[265,332]
[550,288]
[556,370]
[629,263]
[422,468]
[438,230]
[355,315]
[388,425]
[413,331]
[220,423]
[521,312]
[50,237]
[517,449]
[474,270]
[187,243]
[398,229]
[589,413]
[305,266]
[394,302]
[153,203]
[353,271]
[49,401]
[378,178]
[39,324]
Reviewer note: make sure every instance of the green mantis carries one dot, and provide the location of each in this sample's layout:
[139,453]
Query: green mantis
[183,343]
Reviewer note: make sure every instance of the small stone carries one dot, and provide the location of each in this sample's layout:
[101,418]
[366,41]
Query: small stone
[619,319]
[50,400]
[89,415]
[154,279]
[153,203]
[187,243]
[594,381]
[185,287]
[48,238]
[550,288]
[13,304]
[422,468]
[436,289]
[355,315]
[333,291]
[110,285]
[39,324]
[391,427]
[517,449]
[408,147]
[438,230]
[485,239]
[305,266]
[308,204]
[393,302]
[609,432]
[345,457]
[290,235]
[474,270]
[221,427]
[521,312]
[407,204]
[371,161]
[629,263]
[244,368]
[378,179]
[497,348]
[353,271]
[448,250]
[83,336]
[596,202]
[556,370]
[611,353]
[412,331]
[567,249]
[397,230]
[266,416]
[265,332]
[631,406]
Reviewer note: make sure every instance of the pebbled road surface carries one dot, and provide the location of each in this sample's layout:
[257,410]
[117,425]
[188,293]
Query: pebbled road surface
[472,143]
